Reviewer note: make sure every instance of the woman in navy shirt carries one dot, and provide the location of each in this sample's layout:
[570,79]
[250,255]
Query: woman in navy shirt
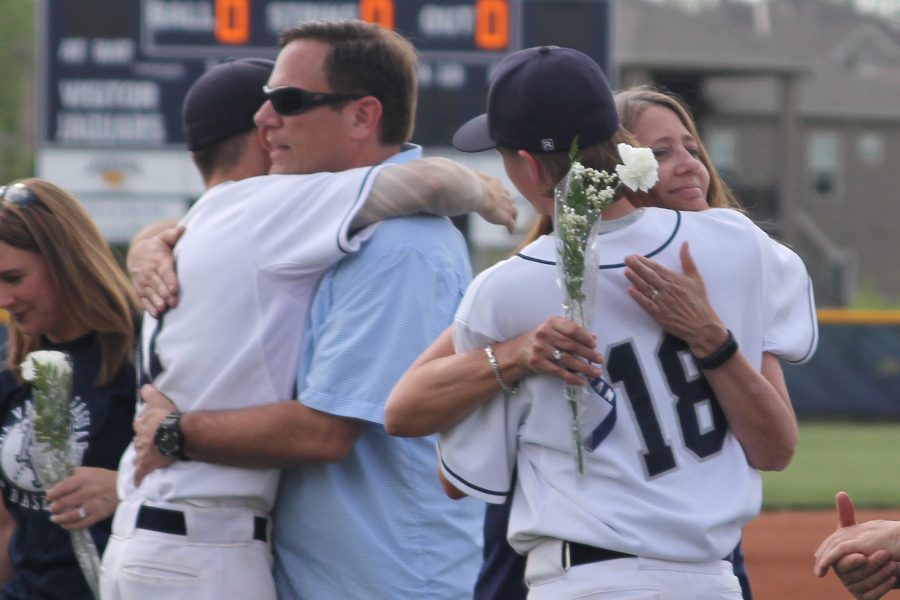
[63,290]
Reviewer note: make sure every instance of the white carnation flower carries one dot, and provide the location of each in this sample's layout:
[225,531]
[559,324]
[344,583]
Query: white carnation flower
[639,168]
[52,358]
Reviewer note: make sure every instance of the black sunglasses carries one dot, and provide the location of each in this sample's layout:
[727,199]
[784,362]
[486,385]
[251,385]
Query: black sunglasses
[289,101]
[18,193]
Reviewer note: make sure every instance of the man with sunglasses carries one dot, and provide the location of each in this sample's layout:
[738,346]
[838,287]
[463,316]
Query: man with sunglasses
[357,513]
[249,261]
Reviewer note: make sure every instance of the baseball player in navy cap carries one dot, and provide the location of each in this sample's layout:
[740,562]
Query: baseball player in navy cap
[567,88]
[663,498]
[253,250]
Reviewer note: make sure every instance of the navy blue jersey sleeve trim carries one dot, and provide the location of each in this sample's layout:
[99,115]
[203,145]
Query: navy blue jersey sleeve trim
[814,340]
[472,485]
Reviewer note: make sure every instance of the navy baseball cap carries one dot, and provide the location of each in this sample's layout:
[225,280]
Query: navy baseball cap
[540,99]
[222,102]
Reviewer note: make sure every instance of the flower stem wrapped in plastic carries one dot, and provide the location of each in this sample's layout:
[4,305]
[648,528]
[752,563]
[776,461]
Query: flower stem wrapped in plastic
[54,451]
[580,199]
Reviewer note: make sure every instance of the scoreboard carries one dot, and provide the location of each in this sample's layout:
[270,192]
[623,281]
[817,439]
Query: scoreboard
[114,73]
[251,26]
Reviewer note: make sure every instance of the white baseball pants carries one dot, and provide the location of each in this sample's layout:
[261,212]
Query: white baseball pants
[222,554]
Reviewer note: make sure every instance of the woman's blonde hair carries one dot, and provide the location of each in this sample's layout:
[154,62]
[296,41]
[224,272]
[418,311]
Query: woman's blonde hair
[632,102]
[94,293]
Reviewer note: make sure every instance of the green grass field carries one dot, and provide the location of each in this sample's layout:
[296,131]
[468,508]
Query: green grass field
[862,459]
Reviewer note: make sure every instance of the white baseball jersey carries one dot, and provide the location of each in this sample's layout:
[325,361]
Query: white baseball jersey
[248,264]
[670,481]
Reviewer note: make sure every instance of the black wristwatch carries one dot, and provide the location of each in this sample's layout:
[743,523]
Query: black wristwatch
[169,438]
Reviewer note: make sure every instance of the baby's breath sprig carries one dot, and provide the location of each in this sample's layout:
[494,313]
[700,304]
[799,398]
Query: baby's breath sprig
[581,197]
[589,192]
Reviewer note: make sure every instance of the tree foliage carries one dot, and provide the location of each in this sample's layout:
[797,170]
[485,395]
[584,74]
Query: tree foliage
[17,94]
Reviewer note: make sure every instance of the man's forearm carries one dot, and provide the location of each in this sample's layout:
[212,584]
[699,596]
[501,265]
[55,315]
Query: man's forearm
[275,435]
[433,185]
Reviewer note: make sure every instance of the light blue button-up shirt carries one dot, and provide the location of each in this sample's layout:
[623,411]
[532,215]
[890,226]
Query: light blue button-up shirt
[377,525]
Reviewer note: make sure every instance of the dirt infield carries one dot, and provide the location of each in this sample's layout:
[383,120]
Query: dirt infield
[779,546]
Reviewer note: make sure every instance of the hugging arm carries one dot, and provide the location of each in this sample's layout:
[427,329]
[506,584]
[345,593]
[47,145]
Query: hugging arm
[436,186]
[441,388]
[273,435]
[756,403]
[151,265]
[433,185]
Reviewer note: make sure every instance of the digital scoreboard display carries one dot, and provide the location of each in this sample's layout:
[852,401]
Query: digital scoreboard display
[115,73]
[250,26]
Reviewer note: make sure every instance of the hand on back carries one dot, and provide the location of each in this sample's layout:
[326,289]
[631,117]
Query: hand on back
[151,264]
[499,207]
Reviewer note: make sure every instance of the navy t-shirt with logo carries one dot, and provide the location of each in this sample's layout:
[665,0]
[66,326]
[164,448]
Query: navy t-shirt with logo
[44,565]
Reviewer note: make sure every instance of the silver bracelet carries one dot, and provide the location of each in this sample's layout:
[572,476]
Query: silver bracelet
[495,367]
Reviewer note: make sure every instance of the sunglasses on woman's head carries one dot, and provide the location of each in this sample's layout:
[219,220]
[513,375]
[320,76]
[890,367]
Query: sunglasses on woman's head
[17,193]
[288,101]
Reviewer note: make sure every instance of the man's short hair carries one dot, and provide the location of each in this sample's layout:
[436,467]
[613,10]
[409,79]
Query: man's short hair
[222,156]
[367,59]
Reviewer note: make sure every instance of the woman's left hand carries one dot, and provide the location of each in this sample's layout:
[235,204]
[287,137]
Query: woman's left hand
[84,498]
[676,301]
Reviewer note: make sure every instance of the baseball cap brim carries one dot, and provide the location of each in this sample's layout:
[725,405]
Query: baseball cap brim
[474,135]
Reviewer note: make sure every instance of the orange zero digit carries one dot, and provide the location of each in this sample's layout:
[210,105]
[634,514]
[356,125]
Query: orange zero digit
[377,11]
[233,21]
[492,24]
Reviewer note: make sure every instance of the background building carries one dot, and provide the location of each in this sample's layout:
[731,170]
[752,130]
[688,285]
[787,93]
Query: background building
[797,103]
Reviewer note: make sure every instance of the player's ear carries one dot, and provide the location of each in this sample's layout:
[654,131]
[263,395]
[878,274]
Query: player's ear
[535,169]
[364,117]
